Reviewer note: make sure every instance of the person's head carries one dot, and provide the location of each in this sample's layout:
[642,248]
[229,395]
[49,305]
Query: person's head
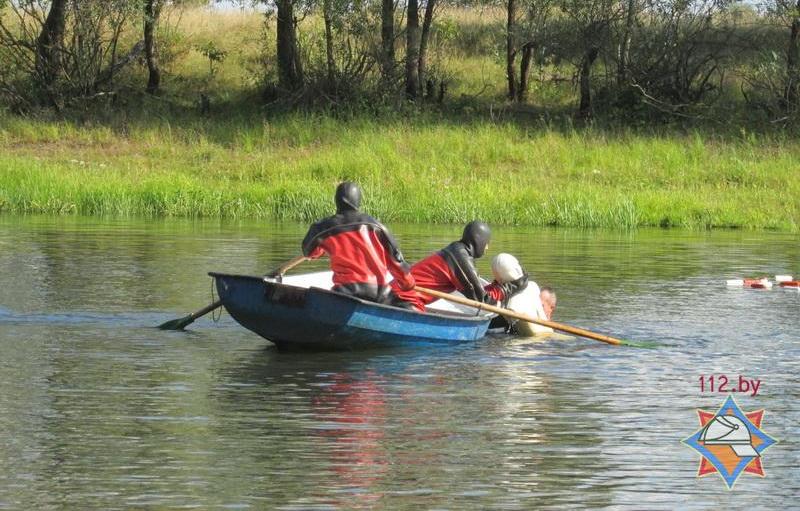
[549,300]
[506,268]
[476,236]
[348,197]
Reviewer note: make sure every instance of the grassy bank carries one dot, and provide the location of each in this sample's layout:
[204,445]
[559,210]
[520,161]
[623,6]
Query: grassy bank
[421,168]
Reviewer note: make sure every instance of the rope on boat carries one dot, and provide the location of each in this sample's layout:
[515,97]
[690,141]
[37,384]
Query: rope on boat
[216,314]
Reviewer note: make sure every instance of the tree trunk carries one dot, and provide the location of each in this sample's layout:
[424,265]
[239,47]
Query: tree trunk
[49,44]
[327,14]
[511,51]
[793,62]
[585,108]
[290,70]
[625,44]
[525,70]
[152,11]
[412,49]
[423,41]
[387,41]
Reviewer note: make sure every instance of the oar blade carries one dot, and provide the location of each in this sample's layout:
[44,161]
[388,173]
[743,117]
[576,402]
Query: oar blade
[177,324]
[640,344]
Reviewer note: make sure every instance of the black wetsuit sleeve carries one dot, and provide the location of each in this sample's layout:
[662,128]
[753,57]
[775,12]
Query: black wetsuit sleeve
[463,267]
[391,246]
[311,240]
[476,286]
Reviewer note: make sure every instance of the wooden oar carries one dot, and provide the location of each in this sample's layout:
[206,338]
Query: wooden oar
[181,323]
[524,317]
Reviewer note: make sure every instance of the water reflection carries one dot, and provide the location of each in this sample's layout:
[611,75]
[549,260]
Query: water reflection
[350,414]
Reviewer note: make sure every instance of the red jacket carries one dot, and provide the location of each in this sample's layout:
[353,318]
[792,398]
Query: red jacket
[434,272]
[362,252]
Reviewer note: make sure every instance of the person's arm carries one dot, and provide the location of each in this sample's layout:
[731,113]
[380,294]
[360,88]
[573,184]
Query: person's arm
[463,274]
[497,292]
[311,243]
[316,253]
[494,293]
[395,263]
[473,288]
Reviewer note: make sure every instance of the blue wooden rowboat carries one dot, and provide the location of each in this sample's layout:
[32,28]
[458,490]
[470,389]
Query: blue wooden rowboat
[310,317]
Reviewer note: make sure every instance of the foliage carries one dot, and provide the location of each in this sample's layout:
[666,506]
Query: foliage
[214,54]
[658,151]
[674,59]
[83,60]
[682,52]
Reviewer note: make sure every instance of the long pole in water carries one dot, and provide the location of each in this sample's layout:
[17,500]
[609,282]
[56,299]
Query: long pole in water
[181,323]
[524,317]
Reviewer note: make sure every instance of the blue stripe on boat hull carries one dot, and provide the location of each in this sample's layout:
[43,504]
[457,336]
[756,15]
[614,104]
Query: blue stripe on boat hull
[296,317]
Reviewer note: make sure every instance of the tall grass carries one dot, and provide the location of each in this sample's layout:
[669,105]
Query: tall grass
[421,171]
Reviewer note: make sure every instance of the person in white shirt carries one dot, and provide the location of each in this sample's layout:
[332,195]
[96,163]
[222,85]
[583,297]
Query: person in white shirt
[535,302]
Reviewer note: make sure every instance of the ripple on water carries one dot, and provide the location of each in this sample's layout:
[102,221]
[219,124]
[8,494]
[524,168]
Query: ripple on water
[100,410]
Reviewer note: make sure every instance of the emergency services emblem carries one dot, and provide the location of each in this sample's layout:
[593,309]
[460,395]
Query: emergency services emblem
[731,442]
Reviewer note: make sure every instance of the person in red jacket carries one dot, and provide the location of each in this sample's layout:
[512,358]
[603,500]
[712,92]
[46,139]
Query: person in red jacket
[453,269]
[361,250]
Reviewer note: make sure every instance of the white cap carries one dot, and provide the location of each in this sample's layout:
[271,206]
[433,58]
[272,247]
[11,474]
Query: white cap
[506,268]
[729,430]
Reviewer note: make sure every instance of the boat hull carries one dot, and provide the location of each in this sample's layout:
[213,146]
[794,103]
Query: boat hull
[296,317]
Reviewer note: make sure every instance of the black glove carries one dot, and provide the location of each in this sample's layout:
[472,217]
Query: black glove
[515,286]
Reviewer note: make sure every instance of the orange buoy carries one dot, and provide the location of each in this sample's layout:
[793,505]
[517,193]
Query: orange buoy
[759,283]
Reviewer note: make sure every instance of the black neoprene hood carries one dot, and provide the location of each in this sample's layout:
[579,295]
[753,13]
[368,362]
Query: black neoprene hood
[348,197]
[476,236]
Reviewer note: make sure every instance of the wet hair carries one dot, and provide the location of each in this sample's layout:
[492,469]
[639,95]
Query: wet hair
[550,290]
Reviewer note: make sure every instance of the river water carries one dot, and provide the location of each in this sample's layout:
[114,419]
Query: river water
[99,410]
